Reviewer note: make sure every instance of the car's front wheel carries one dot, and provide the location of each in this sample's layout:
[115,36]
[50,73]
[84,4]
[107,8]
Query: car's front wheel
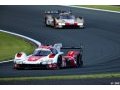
[59,62]
[54,23]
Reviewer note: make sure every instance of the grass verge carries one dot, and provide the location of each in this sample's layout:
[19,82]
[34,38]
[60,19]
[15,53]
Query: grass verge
[105,7]
[10,45]
[65,77]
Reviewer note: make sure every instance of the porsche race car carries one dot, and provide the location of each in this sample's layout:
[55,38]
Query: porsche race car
[49,57]
[60,19]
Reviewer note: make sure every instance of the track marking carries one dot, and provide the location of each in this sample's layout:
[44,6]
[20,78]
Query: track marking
[6,61]
[92,9]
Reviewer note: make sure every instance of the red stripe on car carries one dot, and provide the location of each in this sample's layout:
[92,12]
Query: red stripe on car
[34,58]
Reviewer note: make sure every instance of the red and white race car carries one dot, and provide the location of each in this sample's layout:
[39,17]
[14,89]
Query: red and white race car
[61,19]
[50,57]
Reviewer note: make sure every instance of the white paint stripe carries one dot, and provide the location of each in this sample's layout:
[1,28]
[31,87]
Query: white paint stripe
[6,61]
[92,9]
[25,37]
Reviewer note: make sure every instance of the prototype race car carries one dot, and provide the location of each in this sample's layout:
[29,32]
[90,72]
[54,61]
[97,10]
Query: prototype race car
[49,57]
[60,19]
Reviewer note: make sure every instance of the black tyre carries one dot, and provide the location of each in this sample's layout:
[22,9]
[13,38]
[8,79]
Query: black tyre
[54,23]
[59,62]
[79,60]
[46,21]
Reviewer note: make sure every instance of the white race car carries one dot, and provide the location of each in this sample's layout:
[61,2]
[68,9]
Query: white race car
[62,19]
[49,57]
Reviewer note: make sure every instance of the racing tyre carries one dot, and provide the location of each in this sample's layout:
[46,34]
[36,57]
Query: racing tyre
[79,60]
[59,62]
[46,21]
[54,23]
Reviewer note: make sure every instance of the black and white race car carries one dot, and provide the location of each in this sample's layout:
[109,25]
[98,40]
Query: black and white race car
[60,19]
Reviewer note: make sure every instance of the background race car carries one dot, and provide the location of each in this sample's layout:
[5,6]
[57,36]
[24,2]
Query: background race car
[50,57]
[60,19]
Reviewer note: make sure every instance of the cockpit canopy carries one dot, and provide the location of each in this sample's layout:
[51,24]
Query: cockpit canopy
[41,52]
[67,16]
[44,52]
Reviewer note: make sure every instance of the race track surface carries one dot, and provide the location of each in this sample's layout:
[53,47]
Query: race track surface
[100,38]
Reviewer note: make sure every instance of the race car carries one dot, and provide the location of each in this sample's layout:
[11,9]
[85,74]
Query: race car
[60,19]
[49,57]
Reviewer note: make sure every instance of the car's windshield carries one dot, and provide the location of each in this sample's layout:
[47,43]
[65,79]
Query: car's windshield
[67,17]
[41,53]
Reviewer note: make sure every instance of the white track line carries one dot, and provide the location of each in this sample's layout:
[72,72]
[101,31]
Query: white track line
[92,9]
[25,37]
[6,61]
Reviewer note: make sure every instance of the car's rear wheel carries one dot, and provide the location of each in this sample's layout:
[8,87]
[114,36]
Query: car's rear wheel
[79,60]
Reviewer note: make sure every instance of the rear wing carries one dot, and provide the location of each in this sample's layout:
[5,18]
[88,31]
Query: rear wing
[57,12]
[59,46]
[74,48]
[51,12]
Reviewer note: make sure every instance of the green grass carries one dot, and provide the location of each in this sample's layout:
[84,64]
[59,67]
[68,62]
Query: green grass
[105,7]
[10,45]
[64,77]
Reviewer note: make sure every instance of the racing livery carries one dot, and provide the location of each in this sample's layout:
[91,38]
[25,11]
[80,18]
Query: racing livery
[50,57]
[60,19]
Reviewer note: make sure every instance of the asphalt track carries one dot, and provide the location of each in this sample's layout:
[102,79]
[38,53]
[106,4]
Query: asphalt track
[100,38]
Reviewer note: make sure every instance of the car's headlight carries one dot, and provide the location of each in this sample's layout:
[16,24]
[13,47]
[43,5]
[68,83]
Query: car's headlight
[61,21]
[61,24]
[80,23]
